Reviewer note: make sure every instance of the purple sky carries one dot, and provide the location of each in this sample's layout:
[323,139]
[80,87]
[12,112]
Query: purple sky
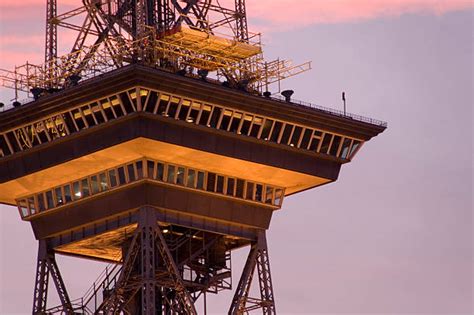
[394,233]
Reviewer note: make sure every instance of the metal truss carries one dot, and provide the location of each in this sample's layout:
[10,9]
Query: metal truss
[242,303]
[46,265]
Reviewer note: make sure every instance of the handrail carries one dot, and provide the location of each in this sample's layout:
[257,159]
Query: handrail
[331,111]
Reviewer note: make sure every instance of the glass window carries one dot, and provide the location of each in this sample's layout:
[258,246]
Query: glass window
[249,193]
[31,205]
[143,97]
[94,185]
[278,196]
[41,132]
[211,181]
[258,192]
[326,141]
[49,199]
[23,207]
[85,187]
[276,131]
[122,179]
[269,195]
[236,119]
[267,127]
[295,138]
[150,104]
[69,122]
[314,144]
[117,108]
[126,102]
[256,125]
[180,176]
[103,182]
[163,103]
[244,130]
[41,204]
[205,114]
[131,173]
[96,111]
[151,169]
[183,111]
[59,196]
[220,184]
[306,138]
[76,114]
[240,188]
[173,107]
[345,148]
[171,174]
[191,181]
[285,137]
[113,178]
[76,189]
[225,120]
[335,145]
[194,113]
[216,114]
[160,171]
[139,165]
[230,186]
[86,111]
[67,193]
[355,146]
[200,180]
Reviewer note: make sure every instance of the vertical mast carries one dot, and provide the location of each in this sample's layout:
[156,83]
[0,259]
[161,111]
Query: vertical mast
[241,20]
[51,40]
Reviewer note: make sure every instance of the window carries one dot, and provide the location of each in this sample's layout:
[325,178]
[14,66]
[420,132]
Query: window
[67,194]
[150,104]
[314,143]
[77,115]
[220,184]
[116,107]
[121,175]
[345,148]
[258,192]
[244,130]
[131,173]
[295,138]
[276,131]
[103,182]
[256,126]
[285,137]
[216,114]
[94,185]
[267,127]
[151,169]
[205,114]
[194,113]
[173,107]
[160,171]
[85,187]
[127,104]
[306,138]
[191,181]
[269,195]
[31,205]
[235,124]
[326,141]
[240,188]
[59,196]
[335,145]
[183,112]
[139,166]
[200,180]
[278,196]
[211,182]
[230,186]
[113,178]
[249,193]
[76,189]
[41,204]
[171,174]
[49,199]
[355,146]
[163,103]
[23,207]
[225,121]
[180,176]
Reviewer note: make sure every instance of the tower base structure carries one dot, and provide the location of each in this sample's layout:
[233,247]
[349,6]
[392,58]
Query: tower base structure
[164,270]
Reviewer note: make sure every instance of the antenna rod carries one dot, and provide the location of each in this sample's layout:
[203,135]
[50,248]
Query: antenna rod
[344,101]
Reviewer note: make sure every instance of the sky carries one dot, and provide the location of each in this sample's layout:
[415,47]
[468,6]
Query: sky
[393,235]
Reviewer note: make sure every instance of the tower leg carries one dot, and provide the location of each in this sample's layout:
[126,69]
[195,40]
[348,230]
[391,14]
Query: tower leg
[242,303]
[46,264]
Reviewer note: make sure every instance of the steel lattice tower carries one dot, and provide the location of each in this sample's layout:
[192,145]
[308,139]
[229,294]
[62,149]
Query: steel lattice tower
[157,146]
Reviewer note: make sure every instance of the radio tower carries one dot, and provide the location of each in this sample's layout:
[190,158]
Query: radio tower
[157,145]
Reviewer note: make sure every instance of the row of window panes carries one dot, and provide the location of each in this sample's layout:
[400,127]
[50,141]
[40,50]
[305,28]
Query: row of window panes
[191,111]
[74,120]
[163,172]
[248,124]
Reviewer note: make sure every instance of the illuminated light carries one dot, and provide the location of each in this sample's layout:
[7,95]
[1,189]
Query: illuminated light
[190,120]
[78,194]
[194,236]
[292,145]
[166,231]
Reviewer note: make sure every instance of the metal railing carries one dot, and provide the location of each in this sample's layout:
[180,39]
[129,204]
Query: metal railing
[331,111]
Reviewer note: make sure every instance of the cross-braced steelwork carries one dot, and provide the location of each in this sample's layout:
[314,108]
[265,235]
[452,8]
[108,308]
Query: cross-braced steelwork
[242,303]
[46,265]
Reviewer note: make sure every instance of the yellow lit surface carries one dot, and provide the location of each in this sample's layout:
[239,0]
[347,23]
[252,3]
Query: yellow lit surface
[142,147]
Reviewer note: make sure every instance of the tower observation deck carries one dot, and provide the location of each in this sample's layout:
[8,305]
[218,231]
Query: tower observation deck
[156,145]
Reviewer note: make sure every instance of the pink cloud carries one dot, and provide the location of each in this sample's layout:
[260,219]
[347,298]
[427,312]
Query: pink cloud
[284,14]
